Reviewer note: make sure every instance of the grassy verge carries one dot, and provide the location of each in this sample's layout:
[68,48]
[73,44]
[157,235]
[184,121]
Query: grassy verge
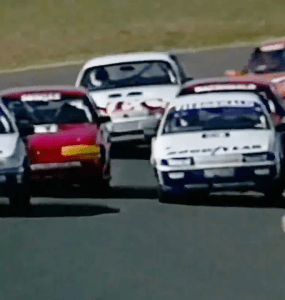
[35,32]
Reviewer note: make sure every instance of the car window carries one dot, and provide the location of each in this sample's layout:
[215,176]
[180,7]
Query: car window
[266,62]
[129,75]
[227,117]
[66,111]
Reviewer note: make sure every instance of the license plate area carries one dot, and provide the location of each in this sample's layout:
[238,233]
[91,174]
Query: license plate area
[212,173]
[127,126]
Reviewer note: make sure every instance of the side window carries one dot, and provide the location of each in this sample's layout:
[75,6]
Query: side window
[85,79]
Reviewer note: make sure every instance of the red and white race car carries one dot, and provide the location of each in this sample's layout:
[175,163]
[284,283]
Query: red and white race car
[134,90]
[268,92]
[70,143]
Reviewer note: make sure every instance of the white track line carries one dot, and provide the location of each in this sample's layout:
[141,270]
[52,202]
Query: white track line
[191,50]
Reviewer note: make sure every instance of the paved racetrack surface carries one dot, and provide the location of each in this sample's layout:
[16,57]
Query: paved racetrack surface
[75,246]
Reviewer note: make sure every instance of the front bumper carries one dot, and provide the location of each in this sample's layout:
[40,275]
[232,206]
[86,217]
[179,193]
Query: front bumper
[73,171]
[244,179]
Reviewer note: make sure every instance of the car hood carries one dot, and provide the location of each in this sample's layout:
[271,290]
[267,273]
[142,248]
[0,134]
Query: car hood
[130,103]
[213,143]
[165,92]
[45,146]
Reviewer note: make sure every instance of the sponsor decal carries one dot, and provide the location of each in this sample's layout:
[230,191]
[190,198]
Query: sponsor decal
[80,149]
[41,97]
[214,104]
[123,107]
[224,87]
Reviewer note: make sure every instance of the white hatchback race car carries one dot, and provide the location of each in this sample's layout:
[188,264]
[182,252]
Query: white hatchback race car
[133,89]
[218,142]
[15,172]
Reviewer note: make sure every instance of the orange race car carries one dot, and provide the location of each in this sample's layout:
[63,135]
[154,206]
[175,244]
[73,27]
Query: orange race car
[267,63]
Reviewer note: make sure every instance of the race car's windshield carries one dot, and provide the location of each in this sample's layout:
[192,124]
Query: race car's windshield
[68,111]
[216,118]
[5,123]
[267,62]
[130,74]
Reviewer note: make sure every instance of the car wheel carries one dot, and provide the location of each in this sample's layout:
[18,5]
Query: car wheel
[97,188]
[19,194]
[198,198]
[164,197]
[275,194]
[105,190]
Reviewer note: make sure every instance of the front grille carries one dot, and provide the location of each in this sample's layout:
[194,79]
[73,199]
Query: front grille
[133,132]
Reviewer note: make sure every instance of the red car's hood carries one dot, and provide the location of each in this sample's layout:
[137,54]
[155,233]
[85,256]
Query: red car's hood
[47,146]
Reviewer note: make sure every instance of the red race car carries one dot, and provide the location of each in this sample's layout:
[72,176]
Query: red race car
[70,143]
[268,92]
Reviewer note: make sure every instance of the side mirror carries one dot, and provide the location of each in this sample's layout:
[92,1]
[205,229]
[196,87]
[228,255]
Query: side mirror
[104,119]
[280,127]
[25,127]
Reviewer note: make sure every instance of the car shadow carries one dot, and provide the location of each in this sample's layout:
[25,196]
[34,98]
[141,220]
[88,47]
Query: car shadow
[117,192]
[236,200]
[60,210]
[141,152]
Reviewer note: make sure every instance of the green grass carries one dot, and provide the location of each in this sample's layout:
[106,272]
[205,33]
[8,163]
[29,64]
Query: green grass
[42,31]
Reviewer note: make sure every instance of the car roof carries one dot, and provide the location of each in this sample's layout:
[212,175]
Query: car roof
[189,86]
[65,90]
[126,57]
[215,96]
[272,46]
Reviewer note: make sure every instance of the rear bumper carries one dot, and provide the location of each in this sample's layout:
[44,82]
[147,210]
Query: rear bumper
[245,179]
[134,131]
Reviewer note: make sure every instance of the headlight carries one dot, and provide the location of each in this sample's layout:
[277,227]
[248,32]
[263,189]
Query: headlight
[12,161]
[181,161]
[258,157]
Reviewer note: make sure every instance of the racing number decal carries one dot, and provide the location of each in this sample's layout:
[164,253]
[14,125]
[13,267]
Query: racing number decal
[120,107]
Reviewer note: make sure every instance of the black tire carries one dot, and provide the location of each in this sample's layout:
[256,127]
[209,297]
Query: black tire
[275,194]
[164,197]
[198,198]
[104,189]
[19,194]
[98,189]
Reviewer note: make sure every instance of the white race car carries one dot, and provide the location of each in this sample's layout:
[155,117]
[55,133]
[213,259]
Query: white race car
[218,142]
[133,89]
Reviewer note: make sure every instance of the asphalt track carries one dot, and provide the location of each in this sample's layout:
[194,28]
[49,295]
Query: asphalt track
[75,246]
